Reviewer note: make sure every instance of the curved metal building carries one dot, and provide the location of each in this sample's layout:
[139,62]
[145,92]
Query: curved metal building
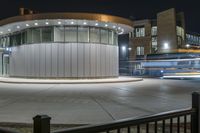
[61,45]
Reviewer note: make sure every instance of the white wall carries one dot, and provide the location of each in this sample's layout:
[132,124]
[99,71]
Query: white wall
[72,60]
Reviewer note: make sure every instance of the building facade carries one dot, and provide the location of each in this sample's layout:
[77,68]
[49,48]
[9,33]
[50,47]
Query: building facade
[193,40]
[166,34]
[85,45]
[61,45]
[153,42]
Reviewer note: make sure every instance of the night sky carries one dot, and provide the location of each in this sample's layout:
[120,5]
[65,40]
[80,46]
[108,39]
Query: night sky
[135,9]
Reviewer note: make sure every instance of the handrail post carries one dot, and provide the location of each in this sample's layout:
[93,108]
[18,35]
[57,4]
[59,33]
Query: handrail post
[195,117]
[41,124]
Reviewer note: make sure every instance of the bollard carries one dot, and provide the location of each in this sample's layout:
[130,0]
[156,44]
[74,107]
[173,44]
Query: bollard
[41,124]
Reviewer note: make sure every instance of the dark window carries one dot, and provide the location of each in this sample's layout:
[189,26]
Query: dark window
[47,34]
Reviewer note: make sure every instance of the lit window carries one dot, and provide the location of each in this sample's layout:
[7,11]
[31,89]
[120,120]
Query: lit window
[154,45]
[70,34]
[83,34]
[154,31]
[140,50]
[139,31]
[95,35]
[180,32]
[111,37]
[104,36]
[59,34]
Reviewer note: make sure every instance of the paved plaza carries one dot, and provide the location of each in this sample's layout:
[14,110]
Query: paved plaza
[93,103]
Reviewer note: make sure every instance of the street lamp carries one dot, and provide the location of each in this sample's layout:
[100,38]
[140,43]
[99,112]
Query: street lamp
[188,45]
[124,48]
[166,45]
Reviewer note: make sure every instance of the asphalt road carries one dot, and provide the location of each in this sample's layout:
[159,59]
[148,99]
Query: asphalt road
[93,103]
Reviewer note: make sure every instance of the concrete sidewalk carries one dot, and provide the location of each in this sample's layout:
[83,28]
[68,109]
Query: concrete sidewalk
[93,103]
[68,81]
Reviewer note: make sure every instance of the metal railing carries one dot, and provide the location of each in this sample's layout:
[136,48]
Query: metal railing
[135,125]
[177,121]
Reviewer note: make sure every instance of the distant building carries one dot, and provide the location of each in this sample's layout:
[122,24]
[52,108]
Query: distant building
[193,40]
[164,38]
[166,34]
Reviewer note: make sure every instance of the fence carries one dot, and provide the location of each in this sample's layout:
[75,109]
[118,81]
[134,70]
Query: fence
[177,121]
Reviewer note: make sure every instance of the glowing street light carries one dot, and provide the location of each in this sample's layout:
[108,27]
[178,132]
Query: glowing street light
[123,48]
[188,45]
[47,23]
[166,45]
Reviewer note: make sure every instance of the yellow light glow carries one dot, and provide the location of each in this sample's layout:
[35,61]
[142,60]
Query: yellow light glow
[189,50]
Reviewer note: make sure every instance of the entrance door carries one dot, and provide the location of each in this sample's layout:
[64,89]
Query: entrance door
[5,65]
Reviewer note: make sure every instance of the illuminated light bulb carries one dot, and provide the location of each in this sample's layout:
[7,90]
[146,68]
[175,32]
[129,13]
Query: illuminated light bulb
[166,45]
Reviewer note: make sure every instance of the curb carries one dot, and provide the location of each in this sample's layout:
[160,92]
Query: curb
[5,80]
